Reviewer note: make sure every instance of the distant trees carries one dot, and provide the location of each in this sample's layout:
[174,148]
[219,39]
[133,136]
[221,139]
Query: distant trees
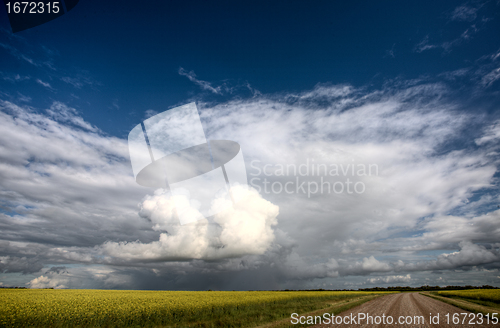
[426,288]
[395,289]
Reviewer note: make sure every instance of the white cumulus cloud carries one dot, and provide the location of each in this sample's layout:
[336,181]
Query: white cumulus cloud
[241,229]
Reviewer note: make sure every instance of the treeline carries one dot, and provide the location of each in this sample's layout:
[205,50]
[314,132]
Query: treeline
[390,289]
[425,288]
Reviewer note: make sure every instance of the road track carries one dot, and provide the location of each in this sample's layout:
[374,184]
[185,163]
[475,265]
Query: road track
[409,306]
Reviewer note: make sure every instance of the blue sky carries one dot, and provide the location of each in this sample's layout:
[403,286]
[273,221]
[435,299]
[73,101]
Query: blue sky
[410,86]
[130,56]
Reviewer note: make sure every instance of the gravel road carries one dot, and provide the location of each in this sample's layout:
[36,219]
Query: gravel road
[406,307]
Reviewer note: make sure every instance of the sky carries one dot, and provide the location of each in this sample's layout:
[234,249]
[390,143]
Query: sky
[381,118]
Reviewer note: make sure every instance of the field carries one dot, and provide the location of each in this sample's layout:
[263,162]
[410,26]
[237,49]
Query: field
[486,297]
[111,308]
[482,295]
[474,300]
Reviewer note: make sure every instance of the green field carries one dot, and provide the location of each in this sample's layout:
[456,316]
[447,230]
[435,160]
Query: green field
[113,308]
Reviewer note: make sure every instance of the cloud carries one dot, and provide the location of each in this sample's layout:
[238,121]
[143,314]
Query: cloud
[23,98]
[18,54]
[396,131]
[202,84]
[322,93]
[390,279]
[469,255]
[149,113]
[227,87]
[476,229]
[45,84]
[424,45]
[446,45]
[484,72]
[390,52]
[456,74]
[241,230]
[492,133]
[80,80]
[81,277]
[45,282]
[495,56]
[69,199]
[63,183]
[464,13]
[58,270]
[366,266]
[63,113]
[15,78]
[491,77]
[19,264]
[73,81]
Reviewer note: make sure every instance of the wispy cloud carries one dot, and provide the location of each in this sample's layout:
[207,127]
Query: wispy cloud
[456,74]
[19,55]
[447,45]
[496,55]
[202,84]
[63,113]
[80,80]
[491,77]
[15,77]
[424,45]
[45,84]
[492,134]
[23,98]
[227,87]
[73,81]
[390,52]
[465,13]
[484,72]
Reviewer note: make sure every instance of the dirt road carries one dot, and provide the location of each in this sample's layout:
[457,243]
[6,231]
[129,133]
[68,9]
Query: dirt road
[405,310]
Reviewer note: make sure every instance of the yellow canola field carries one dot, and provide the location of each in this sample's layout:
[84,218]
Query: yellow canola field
[91,308]
[488,295]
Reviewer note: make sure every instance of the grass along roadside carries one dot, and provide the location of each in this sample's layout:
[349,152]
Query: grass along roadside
[334,307]
[463,303]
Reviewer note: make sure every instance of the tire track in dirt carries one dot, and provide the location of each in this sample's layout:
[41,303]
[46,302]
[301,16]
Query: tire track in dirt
[406,307]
